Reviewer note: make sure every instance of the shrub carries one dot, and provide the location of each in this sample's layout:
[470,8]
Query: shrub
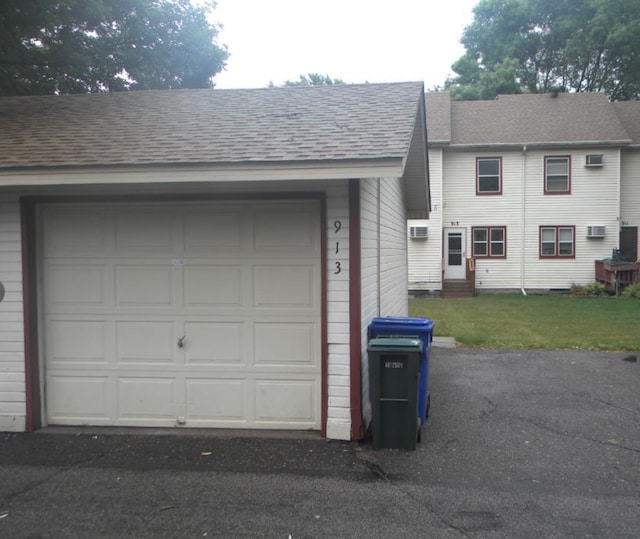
[594,290]
[631,291]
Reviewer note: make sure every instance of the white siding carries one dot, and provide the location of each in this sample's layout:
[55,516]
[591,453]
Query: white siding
[593,201]
[393,249]
[12,362]
[425,255]
[384,262]
[630,189]
[339,382]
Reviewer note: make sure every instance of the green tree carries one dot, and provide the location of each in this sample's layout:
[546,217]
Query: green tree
[515,46]
[78,46]
[313,79]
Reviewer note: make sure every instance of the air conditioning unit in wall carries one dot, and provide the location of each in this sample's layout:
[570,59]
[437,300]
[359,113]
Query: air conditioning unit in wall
[419,232]
[595,231]
[594,160]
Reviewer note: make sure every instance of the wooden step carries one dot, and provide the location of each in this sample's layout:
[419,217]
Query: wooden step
[457,289]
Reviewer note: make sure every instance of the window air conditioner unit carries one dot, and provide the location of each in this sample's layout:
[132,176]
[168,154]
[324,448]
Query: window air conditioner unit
[595,231]
[594,160]
[419,232]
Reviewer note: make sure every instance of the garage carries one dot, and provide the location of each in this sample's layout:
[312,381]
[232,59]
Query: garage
[196,313]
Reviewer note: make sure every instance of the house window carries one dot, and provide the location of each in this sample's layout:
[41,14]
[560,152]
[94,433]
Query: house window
[489,242]
[557,241]
[488,176]
[557,175]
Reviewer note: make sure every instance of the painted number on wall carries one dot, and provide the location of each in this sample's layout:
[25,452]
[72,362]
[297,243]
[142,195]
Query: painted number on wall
[337,226]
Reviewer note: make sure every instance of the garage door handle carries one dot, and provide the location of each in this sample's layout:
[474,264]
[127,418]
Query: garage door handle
[181,341]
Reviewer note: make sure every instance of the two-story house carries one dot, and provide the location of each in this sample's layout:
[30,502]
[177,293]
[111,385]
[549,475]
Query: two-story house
[527,191]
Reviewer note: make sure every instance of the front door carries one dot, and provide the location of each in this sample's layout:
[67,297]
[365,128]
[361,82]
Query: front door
[455,253]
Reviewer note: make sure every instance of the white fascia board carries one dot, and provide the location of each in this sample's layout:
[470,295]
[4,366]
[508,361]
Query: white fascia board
[227,172]
[518,145]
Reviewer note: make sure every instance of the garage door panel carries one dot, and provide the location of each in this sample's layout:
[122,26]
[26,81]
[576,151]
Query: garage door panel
[147,398]
[284,286]
[148,342]
[75,284]
[63,236]
[239,282]
[77,342]
[287,345]
[144,285]
[285,401]
[77,399]
[210,399]
[215,343]
[207,232]
[144,231]
[285,230]
[213,285]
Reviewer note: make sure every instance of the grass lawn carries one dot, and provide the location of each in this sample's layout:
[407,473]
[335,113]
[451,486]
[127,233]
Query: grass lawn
[548,321]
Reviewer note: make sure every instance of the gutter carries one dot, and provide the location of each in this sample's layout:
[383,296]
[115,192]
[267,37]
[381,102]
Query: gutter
[533,145]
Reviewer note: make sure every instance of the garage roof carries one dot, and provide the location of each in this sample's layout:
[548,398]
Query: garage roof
[196,126]
[380,128]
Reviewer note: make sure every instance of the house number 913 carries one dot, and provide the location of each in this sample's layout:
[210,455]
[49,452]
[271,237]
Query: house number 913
[337,226]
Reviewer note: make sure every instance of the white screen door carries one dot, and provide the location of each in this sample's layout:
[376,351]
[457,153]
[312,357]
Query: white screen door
[455,253]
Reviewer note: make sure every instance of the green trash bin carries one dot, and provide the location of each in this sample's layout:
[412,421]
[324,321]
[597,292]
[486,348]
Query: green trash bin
[394,371]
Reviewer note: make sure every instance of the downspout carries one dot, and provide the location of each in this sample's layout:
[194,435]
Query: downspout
[379,260]
[523,219]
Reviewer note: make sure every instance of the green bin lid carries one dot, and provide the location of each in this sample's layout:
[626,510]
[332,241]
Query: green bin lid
[393,343]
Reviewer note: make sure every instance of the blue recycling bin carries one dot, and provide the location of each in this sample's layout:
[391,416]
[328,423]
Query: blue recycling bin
[420,328]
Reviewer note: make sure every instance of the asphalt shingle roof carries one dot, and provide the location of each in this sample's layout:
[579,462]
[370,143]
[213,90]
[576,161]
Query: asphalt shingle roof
[537,119]
[438,105]
[290,124]
[629,114]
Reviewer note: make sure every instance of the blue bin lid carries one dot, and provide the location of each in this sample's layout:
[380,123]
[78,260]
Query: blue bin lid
[403,321]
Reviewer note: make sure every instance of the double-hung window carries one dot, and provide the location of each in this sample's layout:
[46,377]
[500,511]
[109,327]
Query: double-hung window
[489,241]
[557,175]
[557,241]
[488,176]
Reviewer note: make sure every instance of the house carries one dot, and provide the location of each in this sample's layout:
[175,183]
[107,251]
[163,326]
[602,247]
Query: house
[527,192]
[203,258]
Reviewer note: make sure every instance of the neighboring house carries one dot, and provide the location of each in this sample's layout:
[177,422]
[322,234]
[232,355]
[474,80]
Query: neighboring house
[205,258]
[527,190]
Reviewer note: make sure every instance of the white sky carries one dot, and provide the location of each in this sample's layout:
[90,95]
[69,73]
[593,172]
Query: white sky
[353,40]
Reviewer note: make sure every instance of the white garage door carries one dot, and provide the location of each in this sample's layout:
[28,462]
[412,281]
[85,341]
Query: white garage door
[203,315]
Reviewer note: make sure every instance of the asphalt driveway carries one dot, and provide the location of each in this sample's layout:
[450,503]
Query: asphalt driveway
[519,444]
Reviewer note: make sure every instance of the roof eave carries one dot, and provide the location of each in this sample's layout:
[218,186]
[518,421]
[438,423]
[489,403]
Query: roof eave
[564,144]
[202,172]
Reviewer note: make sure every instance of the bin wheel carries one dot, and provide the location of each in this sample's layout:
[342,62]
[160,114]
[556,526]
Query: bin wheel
[419,431]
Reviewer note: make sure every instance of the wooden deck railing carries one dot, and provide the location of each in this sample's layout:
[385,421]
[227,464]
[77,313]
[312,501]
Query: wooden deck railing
[616,276]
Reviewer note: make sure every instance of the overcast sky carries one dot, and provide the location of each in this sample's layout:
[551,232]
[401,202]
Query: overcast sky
[353,40]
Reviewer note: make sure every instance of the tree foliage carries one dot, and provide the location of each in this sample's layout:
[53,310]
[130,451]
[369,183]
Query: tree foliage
[313,79]
[515,46]
[77,46]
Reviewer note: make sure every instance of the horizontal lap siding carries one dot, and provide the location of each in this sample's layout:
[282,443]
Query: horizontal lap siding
[12,364]
[630,188]
[594,200]
[370,275]
[425,258]
[463,208]
[339,383]
[384,261]
[393,249]
[12,376]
